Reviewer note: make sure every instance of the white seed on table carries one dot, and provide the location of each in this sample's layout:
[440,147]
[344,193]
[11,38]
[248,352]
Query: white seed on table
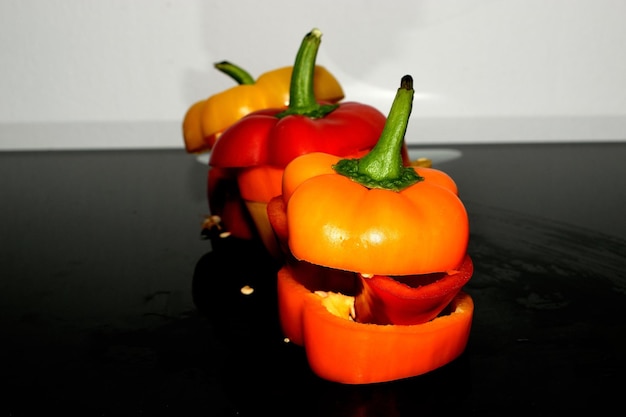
[247,290]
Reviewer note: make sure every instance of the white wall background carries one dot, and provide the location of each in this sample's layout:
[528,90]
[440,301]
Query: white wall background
[121,73]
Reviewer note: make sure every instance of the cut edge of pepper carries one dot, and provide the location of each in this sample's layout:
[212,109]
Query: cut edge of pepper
[356,353]
[344,351]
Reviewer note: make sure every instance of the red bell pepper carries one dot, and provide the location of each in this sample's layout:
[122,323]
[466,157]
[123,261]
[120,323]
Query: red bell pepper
[262,143]
[276,136]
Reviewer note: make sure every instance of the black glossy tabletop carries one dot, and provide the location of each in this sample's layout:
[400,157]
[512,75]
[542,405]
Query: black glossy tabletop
[113,305]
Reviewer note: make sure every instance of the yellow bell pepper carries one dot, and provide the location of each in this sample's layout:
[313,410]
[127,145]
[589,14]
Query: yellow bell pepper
[206,119]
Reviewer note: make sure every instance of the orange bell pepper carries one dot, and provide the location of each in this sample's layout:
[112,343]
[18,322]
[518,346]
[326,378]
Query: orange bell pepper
[341,350]
[206,119]
[374,215]
[379,260]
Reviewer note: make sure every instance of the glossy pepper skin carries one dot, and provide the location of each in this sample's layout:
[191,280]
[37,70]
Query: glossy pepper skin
[206,119]
[352,290]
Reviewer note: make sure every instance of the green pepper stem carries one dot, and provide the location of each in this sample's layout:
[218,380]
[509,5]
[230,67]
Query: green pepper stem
[240,75]
[383,166]
[301,92]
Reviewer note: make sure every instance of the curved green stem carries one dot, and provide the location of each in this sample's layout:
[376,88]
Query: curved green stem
[382,167]
[236,73]
[301,93]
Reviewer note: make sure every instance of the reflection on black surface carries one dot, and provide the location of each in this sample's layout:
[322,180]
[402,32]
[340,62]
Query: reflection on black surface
[549,318]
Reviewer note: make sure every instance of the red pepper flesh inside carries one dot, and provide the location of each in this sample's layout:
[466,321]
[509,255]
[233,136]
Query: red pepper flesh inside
[411,299]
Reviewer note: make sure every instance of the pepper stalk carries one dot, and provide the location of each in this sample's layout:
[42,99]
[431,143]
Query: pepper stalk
[301,94]
[382,167]
[240,75]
